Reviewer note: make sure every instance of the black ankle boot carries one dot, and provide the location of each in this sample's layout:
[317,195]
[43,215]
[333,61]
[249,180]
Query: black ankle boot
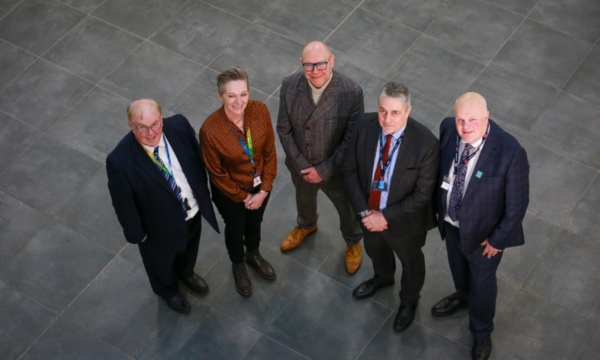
[242,282]
[254,259]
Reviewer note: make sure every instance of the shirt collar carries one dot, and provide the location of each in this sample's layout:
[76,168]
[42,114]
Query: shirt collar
[395,135]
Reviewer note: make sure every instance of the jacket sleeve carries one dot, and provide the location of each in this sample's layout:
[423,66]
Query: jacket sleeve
[351,174]
[124,203]
[327,168]
[516,200]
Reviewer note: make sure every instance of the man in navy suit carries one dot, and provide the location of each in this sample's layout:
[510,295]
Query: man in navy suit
[157,182]
[390,168]
[482,198]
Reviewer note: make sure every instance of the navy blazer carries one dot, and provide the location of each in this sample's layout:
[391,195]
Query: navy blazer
[144,202]
[495,202]
[409,208]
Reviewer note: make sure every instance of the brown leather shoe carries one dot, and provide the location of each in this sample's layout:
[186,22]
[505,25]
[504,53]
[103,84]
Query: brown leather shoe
[353,258]
[295,238]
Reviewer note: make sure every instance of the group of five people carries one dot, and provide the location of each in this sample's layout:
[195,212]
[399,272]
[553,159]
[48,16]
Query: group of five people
[386,174]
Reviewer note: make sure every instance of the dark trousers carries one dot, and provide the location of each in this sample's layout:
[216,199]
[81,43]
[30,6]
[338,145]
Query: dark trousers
[335,189]
[474,277]
[164,269]
[381,246]
[242,226]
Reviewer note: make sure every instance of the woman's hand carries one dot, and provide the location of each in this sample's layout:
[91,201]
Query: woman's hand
[255,201]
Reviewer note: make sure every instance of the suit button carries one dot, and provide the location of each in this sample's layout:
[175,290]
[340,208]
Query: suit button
[307,128]
[308,145]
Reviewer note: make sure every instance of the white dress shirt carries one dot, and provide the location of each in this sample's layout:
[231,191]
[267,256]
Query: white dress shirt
[390,169]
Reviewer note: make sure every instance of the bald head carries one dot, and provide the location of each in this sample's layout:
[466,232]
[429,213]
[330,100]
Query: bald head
[141,107]
[317,52]
[317,47]
[471,115]
[145,120]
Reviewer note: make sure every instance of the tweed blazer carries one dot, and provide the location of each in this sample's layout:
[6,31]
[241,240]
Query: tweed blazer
[317,135]
[497,196]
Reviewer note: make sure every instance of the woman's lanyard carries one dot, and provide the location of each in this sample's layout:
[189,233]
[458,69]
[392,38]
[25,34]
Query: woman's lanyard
[383,167]
[247,148]
[457,166]
[158,163]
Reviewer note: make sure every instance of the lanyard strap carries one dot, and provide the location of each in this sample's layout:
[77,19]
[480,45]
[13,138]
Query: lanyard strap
[457,166]
[383,168]
[158,163]
[247,148]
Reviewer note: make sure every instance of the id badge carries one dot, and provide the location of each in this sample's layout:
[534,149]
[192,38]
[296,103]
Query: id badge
[256,180]
[446,185]
[380,186]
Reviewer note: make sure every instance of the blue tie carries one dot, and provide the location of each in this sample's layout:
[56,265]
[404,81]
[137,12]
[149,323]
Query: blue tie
[171,180]
[459,185]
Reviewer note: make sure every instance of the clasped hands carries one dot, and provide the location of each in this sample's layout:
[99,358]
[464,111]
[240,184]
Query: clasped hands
[311,175]
[254,201]
[375,222]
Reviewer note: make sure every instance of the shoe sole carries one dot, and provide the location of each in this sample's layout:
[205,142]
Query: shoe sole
[187,311]
[259,273]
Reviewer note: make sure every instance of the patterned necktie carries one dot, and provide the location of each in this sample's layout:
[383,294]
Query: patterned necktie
[375,196]
[171,180]
[458,185]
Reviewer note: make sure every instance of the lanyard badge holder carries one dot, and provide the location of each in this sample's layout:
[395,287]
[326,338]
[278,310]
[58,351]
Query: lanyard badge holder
[256,180]
[447,181]
[381,184]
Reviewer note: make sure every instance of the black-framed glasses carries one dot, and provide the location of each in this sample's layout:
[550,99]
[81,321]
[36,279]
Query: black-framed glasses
[321,65]
[145,129]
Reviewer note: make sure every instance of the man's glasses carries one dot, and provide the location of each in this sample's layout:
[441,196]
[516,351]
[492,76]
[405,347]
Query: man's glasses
[145,129]
[322,65]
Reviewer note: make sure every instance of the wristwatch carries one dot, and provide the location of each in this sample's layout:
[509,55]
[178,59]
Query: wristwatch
[365,213]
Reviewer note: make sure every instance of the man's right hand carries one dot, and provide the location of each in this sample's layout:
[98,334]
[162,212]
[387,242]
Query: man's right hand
[145,238]
[311,175]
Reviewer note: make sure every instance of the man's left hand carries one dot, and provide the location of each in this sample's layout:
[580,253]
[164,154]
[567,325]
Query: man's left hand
[311,175]
[489,251]
[375,222]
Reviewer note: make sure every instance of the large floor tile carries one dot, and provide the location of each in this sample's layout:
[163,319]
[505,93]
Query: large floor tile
[199,32]
[327,327]
[95,125]
[16,137]
[92,49]
[266,57]
[416,14]
[535,328]
[437,70]
[7,5]
[267,349]
[22,319]
[360,75]
[90,212]
[152,72]
[522,7]
[555,183]
[35,25]
[35,271]
[585,82]
[64,340]
[578,19]
[543,53]
[371,42]
[141,17]
[334,267]
[42,94]
[576,140]
[246,9]
[12,62]
[48,175]
[475,26]
[593,349]
[18,224]
[299,21]
[86,6]
[569,275]
[514,100]
[417,342]
[585,218]
[269,297]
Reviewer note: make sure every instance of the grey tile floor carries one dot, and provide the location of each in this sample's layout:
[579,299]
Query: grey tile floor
[70,286]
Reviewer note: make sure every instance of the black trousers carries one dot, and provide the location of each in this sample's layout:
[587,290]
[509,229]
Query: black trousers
[474,277]
[242,226]
[164,269]
[381,246]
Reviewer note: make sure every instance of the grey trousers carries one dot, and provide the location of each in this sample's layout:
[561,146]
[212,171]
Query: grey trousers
[335,190]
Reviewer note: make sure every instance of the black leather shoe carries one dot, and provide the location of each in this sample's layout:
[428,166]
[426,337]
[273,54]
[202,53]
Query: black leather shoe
[482,349]
[405,317]
[255,259]
[447,306]
[195,283]
[179,303]
[242,281]
[368,288]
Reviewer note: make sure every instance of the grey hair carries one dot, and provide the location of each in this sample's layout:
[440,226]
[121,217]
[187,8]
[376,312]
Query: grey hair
[396,90]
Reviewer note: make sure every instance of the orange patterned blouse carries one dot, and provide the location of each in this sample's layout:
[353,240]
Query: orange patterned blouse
[228,165]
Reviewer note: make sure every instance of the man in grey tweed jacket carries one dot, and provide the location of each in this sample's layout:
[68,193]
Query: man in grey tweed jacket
[317,113]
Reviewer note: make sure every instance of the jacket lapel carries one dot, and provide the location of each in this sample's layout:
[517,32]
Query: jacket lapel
[372,142]
[305,100]
[488,153]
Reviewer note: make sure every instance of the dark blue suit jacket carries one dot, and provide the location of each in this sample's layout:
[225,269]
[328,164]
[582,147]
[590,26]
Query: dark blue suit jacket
[142,197]
[494,204]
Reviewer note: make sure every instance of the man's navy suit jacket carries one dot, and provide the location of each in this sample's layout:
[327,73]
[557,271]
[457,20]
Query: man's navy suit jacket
[143,200]
[497,195]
